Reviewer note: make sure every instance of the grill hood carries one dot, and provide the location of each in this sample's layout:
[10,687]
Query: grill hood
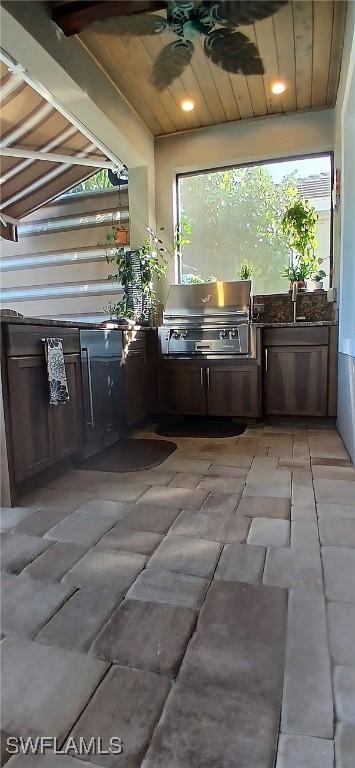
[208,302]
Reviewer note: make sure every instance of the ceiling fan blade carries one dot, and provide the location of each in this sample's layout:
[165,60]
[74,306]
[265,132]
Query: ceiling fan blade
[233,52]
[143,24]
[237,12]
[171,62]
[74,16]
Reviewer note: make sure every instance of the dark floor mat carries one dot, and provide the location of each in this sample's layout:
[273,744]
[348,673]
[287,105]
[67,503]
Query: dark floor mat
[130,456]
[199,426]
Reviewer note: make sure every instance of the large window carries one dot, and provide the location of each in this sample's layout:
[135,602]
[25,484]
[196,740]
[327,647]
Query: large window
[233,215]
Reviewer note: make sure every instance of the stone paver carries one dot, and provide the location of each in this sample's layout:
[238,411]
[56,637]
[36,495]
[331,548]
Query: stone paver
[341,627]
[80,619]
[28,604]
[44,689]
[197,557]
[270,489]
[222,484]
[337,532]
[106,568]
[344,745]
[230,715]
[235,662]
[239,562]
[304,752]
[65,500]
[213,522]
[344,692]
[128,703]
[149,517]
[293,568]
[185,480]
[340,491]
[197,466]
[335,511]
[339,573]
[128,492]
[227,611]
[307,512]
[40,522]
[12,516]
[84,528]
[227,459]
[18,550]
[168,587]
[115,509]
[269,533]
[179,498]
[54,562]
[146,636]
[254,506]
[307,707]
[48,761]
[304,534]
[122,538]
[218,470]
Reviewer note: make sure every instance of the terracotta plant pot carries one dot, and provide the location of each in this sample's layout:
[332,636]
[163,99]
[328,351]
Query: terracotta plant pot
[121,236]
[301,285]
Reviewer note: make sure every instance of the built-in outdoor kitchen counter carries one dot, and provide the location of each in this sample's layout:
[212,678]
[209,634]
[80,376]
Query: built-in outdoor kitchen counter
[289,370]
[111,377]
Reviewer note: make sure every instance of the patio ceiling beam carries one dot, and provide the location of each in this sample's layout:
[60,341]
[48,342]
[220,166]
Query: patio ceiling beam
[52,157]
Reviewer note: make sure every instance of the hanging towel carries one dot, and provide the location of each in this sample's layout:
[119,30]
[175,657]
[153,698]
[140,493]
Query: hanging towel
[57,379]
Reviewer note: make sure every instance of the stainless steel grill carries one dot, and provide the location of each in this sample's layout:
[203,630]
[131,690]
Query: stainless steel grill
[207,319]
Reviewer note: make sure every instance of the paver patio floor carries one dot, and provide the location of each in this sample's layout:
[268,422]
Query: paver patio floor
[202,612]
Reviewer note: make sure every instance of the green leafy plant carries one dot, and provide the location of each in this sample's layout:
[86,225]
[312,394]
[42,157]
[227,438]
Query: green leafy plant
[299,225]
[246,271]
[152,267]
[319,276]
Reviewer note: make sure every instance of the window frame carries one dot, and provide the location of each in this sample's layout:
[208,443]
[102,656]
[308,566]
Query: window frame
[288,158]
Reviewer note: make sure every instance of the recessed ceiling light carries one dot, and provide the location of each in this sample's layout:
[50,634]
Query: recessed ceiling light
[278,87]
[187,105]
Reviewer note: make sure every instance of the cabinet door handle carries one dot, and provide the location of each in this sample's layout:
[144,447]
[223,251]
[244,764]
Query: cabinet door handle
[86,352]
[208,378]
[266,361]
[201,378]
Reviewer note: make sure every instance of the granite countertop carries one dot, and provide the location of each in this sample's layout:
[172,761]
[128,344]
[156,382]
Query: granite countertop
[14,319]
[297,324]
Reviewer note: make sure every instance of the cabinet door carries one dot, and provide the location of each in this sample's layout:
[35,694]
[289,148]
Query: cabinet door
[31,417]
[136,393]
[182,390]
[68,419]
[296,381]
[232,391]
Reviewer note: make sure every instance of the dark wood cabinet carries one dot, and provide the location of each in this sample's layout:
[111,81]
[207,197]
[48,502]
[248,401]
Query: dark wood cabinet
[136,395]
[212,389]
[32,429]
[295,380]
[232,391]
[68,419]
[42,435]
[182,389]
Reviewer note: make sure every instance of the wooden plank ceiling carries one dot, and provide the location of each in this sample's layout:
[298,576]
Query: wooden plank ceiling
[301,45]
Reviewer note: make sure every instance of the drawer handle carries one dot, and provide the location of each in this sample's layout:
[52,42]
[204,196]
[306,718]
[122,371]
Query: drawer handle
[208,378]
[266,360]
[201,378]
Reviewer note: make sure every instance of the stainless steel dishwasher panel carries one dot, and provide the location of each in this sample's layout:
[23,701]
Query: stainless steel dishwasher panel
[101,358]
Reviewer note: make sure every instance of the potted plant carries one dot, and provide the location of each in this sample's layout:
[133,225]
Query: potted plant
[318,278]
[136,271]
[246,271]
[299,226]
